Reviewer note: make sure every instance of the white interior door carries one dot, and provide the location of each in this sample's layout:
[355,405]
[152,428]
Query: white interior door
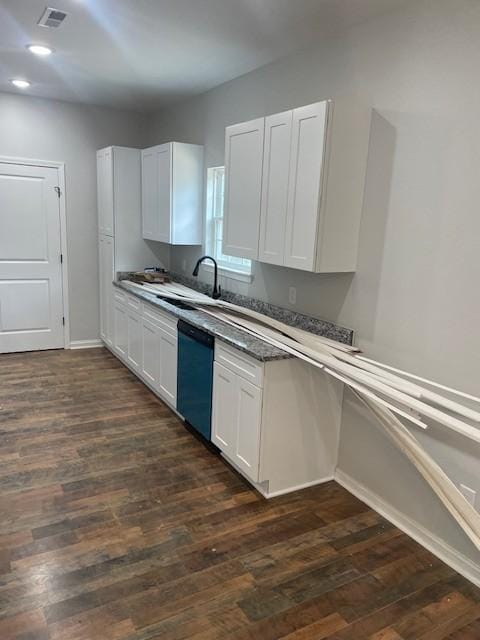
[31,298]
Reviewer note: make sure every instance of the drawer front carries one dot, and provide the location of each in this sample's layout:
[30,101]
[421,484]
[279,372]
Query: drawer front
[119,296]
[134,303]
[240,363]
[162,320]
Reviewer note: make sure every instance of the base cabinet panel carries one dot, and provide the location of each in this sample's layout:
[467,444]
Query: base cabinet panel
[247,444]
[278,422]
[120,324]
[106,265]
[224,414]
[167,384]
[134,343]
[151,354]
[237,414]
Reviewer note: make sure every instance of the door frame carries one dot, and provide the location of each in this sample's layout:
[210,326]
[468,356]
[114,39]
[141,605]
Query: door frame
[60,167]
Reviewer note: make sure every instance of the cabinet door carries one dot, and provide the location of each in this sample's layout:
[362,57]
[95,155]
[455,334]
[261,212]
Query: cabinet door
[276,165]
[107,269]
[243,188]
[120,324]
[247,443]
[149,194]
[225,409]
[151,353]
[134,340]
[304,189]
[168,367]
[101,190]
[105,191]
[108,192]
[156,192]
[164,185]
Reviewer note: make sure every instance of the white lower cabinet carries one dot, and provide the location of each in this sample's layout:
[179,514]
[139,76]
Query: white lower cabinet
[106,266]
[134,340]
[168,366]
[224,423]
[146,340]
[120,327]
[276,422]
[236,418]
[247,443]
[151,353]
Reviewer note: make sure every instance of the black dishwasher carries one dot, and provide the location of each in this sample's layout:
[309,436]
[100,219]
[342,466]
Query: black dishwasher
[195,377]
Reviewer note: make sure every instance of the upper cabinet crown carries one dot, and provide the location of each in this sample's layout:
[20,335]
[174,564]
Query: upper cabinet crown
[294,186]
[172,190]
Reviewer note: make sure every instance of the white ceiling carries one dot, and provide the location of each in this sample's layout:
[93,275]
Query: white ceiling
[142,54]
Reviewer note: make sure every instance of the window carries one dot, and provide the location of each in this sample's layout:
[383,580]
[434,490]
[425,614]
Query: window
[215,195]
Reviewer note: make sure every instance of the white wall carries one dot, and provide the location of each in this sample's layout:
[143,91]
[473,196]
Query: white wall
[52,130]
[414,300]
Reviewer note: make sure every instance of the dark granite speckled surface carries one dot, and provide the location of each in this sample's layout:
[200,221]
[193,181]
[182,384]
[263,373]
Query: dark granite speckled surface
[319,327]
[237,338]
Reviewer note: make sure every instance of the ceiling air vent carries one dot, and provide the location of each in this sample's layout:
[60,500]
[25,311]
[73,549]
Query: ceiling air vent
[52,18]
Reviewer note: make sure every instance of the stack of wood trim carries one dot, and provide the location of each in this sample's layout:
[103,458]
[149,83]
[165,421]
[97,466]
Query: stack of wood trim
[385,391]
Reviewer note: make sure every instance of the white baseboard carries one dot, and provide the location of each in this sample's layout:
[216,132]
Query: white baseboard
[299,487]
[427,539]
[86,344]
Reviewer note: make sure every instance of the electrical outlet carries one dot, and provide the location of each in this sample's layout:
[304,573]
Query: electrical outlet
[292,295]
[469,494]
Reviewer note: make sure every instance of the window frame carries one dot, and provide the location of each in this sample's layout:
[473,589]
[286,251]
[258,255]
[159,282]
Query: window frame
[237,268]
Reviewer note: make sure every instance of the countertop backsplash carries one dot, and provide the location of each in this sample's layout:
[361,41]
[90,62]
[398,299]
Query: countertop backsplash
[317,326]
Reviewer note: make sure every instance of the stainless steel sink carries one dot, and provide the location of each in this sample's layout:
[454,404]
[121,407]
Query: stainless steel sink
[177,303]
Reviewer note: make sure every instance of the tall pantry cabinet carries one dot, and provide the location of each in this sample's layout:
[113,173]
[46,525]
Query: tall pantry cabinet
[120,243]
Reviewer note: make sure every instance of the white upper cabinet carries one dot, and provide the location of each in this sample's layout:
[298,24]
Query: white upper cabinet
[311,181]
[172,193]
[105,191]
[276,167]
[243,188]
[304,192]
[150,217]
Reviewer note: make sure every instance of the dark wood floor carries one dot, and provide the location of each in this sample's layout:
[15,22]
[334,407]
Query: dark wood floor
[117,524]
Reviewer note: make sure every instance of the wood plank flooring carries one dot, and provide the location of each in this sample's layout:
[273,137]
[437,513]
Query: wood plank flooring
[117,524]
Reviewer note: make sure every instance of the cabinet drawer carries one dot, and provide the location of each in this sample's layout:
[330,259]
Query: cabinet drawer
[119,296]
[240,363]
[162,320]
[134,303]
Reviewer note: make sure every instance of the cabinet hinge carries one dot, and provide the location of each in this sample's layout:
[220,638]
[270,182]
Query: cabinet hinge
[58,190]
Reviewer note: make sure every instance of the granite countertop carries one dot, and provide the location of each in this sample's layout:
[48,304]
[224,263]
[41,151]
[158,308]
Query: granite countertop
[255,347]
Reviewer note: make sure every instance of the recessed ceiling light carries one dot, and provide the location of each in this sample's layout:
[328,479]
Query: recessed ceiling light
[39,49]
[20,84]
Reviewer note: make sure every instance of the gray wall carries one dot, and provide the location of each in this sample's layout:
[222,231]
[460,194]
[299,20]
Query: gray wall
[70,133]
[414,300]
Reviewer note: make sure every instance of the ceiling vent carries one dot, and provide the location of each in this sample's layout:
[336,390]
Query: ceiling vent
[52,18]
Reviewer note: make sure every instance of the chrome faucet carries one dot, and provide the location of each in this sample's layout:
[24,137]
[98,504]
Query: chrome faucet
[217,292]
